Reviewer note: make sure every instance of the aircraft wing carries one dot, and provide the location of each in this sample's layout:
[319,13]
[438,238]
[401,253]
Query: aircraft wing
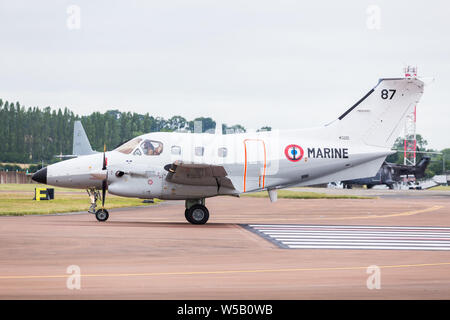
[198,175]
[81,145]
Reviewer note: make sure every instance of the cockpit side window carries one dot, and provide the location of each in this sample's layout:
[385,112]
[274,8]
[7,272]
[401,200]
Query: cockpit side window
[137,152]
[151,147]
[129,146]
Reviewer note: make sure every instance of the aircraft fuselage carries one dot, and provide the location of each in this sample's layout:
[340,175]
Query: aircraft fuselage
[252,161]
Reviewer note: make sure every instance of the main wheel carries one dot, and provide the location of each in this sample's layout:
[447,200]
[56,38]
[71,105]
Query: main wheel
[197,214]
[102,215]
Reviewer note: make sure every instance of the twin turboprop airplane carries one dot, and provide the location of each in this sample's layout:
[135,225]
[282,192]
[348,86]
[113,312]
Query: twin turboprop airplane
[192,167]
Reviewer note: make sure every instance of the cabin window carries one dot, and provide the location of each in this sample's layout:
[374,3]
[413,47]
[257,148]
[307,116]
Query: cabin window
[151,147]
[222,152]
[129,146]
[137,152]
[199,151]
[176,150]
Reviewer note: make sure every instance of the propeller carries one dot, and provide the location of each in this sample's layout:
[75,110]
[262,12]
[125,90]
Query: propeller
[104,182]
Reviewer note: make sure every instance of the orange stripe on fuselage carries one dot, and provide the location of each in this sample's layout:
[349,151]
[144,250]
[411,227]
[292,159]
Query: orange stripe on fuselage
[245,165]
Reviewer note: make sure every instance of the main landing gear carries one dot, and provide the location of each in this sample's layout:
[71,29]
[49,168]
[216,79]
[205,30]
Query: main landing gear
[101,214]
[196,212]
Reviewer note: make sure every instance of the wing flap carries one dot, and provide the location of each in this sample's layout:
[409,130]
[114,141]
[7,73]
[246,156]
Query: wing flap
[198,175]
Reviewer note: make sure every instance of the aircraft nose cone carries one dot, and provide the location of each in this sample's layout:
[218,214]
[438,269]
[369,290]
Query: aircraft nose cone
[40,176]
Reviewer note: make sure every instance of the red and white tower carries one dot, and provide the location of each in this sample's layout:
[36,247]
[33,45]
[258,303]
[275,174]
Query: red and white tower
[410,142]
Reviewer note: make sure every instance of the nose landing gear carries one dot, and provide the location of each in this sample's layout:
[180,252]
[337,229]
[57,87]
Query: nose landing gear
[94,195]
[196,212]
[101,214]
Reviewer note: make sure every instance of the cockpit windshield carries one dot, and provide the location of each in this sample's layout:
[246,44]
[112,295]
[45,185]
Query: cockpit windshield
[129,146]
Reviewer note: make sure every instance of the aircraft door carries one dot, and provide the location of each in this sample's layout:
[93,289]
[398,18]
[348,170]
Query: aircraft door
[255,157]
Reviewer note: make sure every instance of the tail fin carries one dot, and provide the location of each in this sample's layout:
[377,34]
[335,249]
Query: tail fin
[421,167]
[81,145]
[377,118]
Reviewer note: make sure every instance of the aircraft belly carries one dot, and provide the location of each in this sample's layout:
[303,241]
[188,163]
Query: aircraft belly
[173,191]
[355,170]
[277,173]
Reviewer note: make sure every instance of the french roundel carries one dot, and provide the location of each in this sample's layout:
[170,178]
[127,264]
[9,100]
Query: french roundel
[293,152]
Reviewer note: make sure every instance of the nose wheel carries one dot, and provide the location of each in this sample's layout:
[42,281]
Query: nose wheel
[197,214]
[102,215]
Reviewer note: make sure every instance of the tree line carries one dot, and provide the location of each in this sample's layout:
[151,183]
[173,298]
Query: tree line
[33,135]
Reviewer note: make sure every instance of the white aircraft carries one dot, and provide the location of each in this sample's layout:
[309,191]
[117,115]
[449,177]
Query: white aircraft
[192,167]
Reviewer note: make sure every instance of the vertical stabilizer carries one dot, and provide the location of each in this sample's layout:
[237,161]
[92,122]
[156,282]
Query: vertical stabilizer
[378,117]
[421,167]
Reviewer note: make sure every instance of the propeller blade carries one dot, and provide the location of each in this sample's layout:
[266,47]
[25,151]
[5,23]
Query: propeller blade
[103,193]
[104,157]
[104,182]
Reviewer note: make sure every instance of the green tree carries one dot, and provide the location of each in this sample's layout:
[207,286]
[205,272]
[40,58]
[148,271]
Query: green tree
[440,164]
[265,128]
[399,146]
[176,123]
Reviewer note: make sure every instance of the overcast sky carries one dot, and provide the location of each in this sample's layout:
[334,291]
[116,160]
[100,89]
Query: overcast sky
[286,64]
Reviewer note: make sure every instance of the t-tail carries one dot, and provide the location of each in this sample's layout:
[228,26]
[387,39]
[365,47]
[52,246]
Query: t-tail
[372,125]
[377,118]
[421,167]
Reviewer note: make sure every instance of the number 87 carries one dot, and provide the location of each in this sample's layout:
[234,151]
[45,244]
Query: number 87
[385,93]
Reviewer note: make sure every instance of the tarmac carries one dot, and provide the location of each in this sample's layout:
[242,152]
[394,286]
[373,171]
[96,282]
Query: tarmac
[153,253]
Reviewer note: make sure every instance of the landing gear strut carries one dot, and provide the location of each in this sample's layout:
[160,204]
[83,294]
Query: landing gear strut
[101,214]
[196,212]
[94,195]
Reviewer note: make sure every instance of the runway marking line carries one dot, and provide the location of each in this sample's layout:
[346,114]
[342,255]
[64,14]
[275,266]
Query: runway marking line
[406,213]
[226,271]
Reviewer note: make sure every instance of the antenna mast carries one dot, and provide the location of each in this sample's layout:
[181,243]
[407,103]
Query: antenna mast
[410,142]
